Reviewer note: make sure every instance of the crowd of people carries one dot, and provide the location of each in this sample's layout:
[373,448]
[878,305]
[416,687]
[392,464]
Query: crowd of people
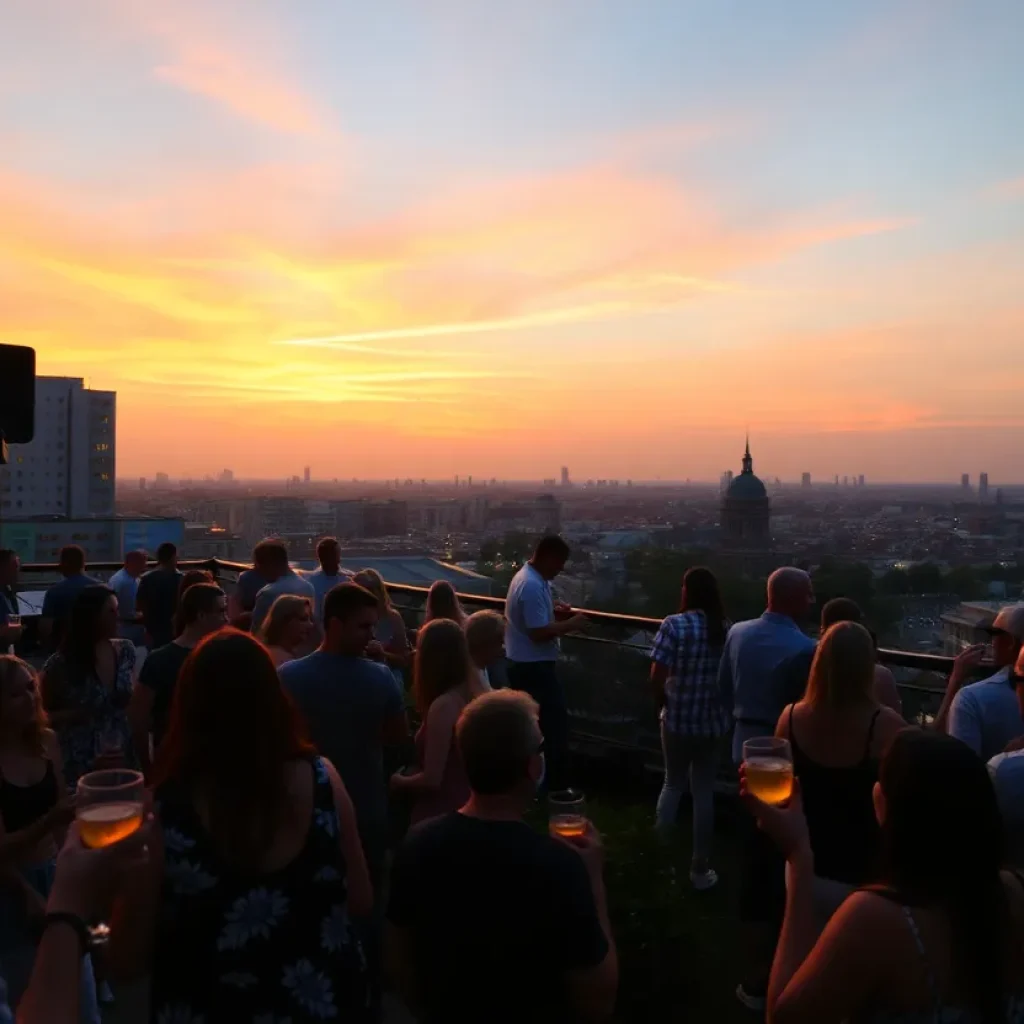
[271,726]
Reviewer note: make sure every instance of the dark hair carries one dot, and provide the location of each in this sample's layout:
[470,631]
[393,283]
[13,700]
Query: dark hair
[198,599]
[442,661]
[232,731]
[840,609]
[443,603]
[189,579]
[78,645]
[701,594]
[942,841]
[344,600]
[166,552]
[34,731]
[496,737]
[6,554]
[71,558]
[551,546]
[270,552]
[325,544]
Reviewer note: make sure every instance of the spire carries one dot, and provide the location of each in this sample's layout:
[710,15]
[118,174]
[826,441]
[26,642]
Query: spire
[748,462]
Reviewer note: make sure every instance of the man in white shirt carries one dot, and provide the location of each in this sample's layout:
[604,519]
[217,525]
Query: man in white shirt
[986,715]
[125,584]
[533,624]
[328,576]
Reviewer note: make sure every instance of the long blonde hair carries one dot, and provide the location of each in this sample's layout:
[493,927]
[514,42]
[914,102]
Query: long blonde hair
[370,579]
[442,661]
[843,670]
[283,612]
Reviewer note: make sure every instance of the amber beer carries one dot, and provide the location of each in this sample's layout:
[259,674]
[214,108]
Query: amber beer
[770,779]
[568,826]
[105,824]
[567,814]
[768,768]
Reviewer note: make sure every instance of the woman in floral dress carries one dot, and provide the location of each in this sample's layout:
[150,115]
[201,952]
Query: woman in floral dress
[86,687]
[247,916]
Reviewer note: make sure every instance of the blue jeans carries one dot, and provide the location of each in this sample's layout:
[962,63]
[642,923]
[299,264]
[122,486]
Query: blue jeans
[540,680]
[690,763]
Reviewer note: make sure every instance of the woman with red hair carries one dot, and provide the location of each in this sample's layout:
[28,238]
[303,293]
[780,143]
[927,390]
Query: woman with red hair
[247,913]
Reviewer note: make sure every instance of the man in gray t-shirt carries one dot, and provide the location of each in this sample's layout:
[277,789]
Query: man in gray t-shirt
[352,708]
[282,579]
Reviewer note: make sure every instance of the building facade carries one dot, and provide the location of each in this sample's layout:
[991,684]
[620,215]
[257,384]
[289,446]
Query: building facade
[746,510]
[68,468]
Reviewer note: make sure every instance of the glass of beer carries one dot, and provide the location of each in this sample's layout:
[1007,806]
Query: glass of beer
[109,805]
[567,813]
[768,766]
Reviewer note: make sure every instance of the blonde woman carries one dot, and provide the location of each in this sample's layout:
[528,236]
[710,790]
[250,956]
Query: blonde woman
[838,733]
[445,682]
[288,628]
[443,603]
[390,639]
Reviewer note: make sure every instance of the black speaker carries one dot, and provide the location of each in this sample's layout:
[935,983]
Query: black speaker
[17,393]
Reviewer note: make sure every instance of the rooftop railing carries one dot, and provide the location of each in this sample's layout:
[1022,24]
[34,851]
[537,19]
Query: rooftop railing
[605,669]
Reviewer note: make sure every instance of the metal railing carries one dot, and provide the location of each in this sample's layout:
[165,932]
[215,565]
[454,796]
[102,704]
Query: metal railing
[605,669]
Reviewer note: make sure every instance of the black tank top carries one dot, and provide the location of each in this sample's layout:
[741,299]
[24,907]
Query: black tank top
[21,806]
[845,835]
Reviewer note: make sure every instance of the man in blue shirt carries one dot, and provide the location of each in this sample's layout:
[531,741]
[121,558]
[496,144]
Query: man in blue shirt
[328,576]
[61,596]
[125,584]
[281,579]
[1007,771]
[534,622]
[752,687]
[986,715]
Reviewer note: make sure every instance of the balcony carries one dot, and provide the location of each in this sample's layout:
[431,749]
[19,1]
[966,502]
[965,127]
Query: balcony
[605,669]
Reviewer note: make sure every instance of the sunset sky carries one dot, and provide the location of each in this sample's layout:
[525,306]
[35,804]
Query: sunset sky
[427,237]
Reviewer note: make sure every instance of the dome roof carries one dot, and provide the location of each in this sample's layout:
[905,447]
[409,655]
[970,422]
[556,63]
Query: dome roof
[746,487]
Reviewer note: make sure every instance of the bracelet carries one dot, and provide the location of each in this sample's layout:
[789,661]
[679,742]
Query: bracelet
[77,925]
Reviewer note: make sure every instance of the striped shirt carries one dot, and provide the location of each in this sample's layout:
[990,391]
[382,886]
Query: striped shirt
[693,702]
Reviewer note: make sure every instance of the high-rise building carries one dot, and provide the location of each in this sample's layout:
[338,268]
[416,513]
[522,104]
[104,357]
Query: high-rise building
[805,480]
[565,476]
[725,481]
[306,475]
[68,467]
[860,480]
[846,481]
[965,481]
[983,487]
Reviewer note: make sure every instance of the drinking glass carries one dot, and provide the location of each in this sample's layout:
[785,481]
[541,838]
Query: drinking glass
[109,805]
[567,813]
[768,766]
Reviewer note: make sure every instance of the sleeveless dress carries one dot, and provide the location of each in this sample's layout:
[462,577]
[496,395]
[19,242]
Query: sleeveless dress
[454,789]
[272,948]
[845,835]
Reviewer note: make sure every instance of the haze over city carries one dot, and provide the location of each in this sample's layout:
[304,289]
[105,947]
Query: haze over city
[415,240]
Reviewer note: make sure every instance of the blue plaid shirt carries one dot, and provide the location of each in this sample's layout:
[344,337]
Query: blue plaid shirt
[693,702]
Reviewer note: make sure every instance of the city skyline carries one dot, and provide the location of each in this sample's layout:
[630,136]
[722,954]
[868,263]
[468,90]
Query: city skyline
[445,240]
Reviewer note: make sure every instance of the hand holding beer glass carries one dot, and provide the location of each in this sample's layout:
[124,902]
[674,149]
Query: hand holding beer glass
[768,769]
[567,814]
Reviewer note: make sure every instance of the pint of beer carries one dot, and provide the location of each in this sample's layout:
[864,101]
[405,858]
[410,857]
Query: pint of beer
[768,768]
[567,814]
[109,806]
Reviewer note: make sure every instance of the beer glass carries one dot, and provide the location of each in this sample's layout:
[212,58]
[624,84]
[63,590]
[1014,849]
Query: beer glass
[109,805]
[567,813]
[768,767]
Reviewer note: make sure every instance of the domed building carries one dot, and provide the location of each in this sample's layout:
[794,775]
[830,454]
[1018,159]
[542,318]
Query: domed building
[746,510]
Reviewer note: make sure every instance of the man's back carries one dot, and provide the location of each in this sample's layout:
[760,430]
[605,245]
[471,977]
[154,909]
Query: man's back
[158,598]
[528,606]
[289,583]
[986,715]
[754,650]
[345,702]
[60,599]
[321,584]
[498,914]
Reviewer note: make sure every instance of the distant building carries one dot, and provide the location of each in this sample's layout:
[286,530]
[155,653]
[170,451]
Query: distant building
[306,475]
[746,510]
[860,480]
[805,480]
[725,481]
[565,477]
[983,487]
[162,480]
[103,538]
[965,482]
[68,467]
[142,483]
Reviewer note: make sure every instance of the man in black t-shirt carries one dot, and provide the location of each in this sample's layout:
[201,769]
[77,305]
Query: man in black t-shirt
[157,597]
[488,919]
[204,610]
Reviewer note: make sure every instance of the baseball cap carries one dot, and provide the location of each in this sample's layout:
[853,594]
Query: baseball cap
[1009,620]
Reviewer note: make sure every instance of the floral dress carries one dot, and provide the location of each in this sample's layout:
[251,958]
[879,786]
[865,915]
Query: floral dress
[106,710]
[277,948]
